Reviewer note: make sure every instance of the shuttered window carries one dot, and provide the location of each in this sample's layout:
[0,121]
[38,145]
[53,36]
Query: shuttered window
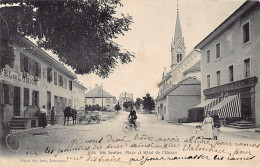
[21,62]
[70,85]
[55,78]
[65,83]
[49,74]
[6,93]
[26,97]
[35,98]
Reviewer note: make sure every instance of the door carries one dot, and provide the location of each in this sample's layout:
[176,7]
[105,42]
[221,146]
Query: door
[245,107]
[16,101]
[48,101]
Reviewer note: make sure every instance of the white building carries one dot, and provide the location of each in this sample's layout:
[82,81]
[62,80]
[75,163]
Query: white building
[100,97]
[124,97]
[78,96]
[34,79]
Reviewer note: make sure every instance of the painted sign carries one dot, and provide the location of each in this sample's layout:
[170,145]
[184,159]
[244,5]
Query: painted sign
[18,77]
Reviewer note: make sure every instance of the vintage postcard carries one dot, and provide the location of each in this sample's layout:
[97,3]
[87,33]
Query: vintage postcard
[130,83]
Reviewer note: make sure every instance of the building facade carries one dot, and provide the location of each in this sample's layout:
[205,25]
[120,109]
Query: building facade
[124,97]
[78,95]
[100,97]
[34,79]
[184,72]
[229,65]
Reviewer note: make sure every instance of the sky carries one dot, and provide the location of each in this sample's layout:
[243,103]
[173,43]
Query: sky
[150,39]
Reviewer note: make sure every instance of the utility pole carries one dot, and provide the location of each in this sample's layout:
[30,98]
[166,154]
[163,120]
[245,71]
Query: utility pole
[102,94]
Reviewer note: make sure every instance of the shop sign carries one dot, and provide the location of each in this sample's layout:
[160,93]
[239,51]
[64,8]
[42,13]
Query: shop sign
[18,77]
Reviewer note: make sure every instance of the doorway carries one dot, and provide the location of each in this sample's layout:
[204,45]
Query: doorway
[17,101]
[48,101]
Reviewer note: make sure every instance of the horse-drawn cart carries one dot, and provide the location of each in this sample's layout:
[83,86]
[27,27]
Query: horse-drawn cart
[89,117]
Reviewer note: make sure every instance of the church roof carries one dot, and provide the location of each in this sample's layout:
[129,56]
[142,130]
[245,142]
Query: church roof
[194,68]
[184,88]
[97,93]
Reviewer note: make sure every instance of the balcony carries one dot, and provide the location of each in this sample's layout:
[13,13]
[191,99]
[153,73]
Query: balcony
[245,83]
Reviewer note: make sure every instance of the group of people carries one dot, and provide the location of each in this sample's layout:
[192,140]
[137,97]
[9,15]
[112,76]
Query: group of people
[42,116]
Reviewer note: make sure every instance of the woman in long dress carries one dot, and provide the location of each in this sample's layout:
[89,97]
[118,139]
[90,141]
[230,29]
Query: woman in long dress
[208,125]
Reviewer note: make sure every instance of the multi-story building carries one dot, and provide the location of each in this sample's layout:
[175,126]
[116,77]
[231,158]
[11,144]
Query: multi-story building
[179,89]
[98,96]
[124,97]
[78,95]
[229,66]
[32,80]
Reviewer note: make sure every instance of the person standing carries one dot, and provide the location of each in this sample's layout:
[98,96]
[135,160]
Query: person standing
[208,125]
[52,112]
[42,117]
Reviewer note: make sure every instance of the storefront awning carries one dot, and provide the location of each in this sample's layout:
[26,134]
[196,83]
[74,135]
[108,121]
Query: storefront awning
[229,107]
[208,104]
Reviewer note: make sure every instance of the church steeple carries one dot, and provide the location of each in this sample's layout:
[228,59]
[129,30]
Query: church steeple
[177,46]
[178,33]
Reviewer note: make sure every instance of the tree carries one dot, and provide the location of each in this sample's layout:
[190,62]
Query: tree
[80,32]
[127,104]
[117,107]
[148,103]
[138,103]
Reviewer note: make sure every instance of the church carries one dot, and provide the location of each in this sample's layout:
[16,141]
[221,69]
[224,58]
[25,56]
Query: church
[180,87]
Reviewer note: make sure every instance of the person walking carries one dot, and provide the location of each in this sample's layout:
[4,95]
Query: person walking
[208,125]
[52,112]
[42,117]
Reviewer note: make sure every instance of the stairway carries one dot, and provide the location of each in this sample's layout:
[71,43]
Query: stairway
[242,125]
[23,122]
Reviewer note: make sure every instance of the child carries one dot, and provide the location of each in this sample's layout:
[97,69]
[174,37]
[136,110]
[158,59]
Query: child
[216,132]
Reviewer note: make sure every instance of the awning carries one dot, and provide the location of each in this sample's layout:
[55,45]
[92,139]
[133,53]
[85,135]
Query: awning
[208,104]
[229,107]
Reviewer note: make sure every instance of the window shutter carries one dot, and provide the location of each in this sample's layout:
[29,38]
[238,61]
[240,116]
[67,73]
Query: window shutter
[1,93]
[21,62]
[33,98]
[37,98]
[11,94]
[39,70]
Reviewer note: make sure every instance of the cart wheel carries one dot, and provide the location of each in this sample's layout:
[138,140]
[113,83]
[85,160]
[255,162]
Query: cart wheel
[80,121]
[13,142]
[126,127]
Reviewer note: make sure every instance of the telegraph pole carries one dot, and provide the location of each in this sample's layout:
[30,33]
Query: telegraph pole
[102,94]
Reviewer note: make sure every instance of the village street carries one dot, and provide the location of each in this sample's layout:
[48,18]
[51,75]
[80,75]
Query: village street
[60,142]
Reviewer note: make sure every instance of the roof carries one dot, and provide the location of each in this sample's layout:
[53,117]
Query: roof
[97,93]
[229,21]
[194,68]
[76,83]
[46,57]
[183,88]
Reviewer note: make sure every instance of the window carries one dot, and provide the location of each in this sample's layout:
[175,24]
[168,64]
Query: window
[246,37]
[55,78]
[180,57]
[26,97]
[35,98]
[60,81]
[208,56]
[108,100]
[229,42]
[218,77]
[218,50]
[93,100]
[70,85]
[26,64]
[208,81]
[231,73]
[247,68]
[6,93]
[49,74]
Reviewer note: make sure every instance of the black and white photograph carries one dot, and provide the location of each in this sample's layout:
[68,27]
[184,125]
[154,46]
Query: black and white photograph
[128,83]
